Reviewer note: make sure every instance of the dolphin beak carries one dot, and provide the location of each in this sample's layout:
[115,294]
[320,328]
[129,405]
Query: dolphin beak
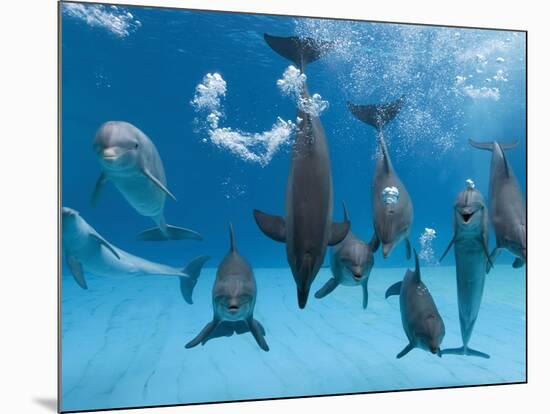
[109,154]
[357,273]
[302,298]
[386,249]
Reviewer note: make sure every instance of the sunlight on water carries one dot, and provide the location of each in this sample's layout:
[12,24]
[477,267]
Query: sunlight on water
[444,67]
[114,19]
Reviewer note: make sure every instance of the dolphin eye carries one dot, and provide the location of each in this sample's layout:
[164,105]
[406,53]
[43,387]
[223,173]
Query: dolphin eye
[136,146]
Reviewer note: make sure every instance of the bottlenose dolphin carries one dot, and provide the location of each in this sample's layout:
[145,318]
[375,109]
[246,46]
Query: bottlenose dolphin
[86,251]
[471,233]
[421,320]
[307,228]
[131,161]
[233,300]
[506,206]
[391,204]
[351,263]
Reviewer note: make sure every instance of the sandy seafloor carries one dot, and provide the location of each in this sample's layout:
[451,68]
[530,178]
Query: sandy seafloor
[123,341]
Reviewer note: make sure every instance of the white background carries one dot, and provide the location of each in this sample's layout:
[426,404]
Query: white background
[28,167]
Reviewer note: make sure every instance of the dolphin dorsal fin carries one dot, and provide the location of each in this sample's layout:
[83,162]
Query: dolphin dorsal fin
[416,267]
[346,214]
[232,245]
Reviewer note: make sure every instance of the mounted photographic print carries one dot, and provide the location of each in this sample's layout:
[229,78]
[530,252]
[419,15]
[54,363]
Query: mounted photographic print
[261,207]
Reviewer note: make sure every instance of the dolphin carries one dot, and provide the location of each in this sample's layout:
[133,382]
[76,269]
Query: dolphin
[471,224]
[131,161]
[506,206]
[233,300]
[421,320]
[307,228]
[351,263]
[391,203]
[87,251]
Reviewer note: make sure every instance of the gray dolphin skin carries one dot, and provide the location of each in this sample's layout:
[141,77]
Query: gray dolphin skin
[131,161]
[307,228]
[233,300]
[88,252]
[471,233]
[351,263]
[506,205]
[392,216]
[421,320]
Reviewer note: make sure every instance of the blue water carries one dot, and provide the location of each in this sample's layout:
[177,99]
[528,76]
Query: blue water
[123,339]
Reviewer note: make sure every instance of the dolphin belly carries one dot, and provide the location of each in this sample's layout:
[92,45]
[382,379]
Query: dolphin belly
[470,279]
[142,194]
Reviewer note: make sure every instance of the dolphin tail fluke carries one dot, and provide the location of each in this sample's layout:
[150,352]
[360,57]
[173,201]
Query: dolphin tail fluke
[464,350]
[299,50]
[327,288]
[273,227]
[191,274]
[169,233]
[393,290]
[488,146]
[379,115]
[338,232]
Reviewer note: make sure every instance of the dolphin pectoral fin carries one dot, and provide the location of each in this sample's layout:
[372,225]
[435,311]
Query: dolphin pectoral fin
[408,248]
[170,233]
[374,243]
[338,232]
[105,244]
[464,351]
[492,257]
[160,185]
[518,263]
[447,249]
[273,227]
[364,286]
[203,335]
[99,184]
[393,290]
[331,284]
[258,332]
[77,271]
[188,280]
[405,351]
[490,263]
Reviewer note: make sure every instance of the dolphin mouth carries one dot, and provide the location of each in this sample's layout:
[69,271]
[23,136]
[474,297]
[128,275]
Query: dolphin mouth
[110,157]
[466,217]
[357,276]
[233,308]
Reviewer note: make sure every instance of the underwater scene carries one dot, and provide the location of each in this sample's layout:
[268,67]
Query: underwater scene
[259,207]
